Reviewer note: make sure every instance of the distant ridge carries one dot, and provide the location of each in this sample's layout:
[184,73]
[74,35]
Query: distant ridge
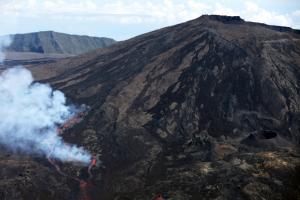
[50,42]
[49,46]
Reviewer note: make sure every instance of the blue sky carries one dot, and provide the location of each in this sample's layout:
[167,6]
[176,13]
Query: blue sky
[123,19]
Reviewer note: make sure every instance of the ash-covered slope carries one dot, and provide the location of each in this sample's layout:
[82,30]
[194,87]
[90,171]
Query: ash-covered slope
[228,74]
[207,109]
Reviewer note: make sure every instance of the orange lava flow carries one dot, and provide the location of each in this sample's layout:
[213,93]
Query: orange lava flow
[94,161]
[71,122]
[83,185]
[159,197]
[92,164]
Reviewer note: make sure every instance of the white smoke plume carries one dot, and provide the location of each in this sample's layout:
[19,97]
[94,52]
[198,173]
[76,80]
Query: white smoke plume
[4,41]
[30,114]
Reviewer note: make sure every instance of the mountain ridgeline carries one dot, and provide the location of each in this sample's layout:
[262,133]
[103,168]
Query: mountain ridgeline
[207,109]
[50,42]
[48,47]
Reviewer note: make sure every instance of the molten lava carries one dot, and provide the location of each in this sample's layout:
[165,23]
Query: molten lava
[92,164]
[94,161]
[159,197]
[71,122]
[83,185]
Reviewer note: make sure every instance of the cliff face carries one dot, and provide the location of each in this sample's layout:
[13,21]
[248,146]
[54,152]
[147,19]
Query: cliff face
[207,109]
[47,47]
[50,42]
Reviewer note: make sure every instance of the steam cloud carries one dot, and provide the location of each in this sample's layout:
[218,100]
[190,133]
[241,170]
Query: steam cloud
[30,114]
[4,41]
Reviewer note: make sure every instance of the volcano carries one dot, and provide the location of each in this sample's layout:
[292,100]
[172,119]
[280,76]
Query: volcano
[206,109]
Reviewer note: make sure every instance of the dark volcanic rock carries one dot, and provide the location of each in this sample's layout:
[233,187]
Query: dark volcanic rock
[207,109]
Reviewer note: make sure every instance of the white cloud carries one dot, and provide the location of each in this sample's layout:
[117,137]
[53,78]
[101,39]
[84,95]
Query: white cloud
[223,10]
[137,12]
[133,12]
[257,14]
[253,12]
[296,13]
